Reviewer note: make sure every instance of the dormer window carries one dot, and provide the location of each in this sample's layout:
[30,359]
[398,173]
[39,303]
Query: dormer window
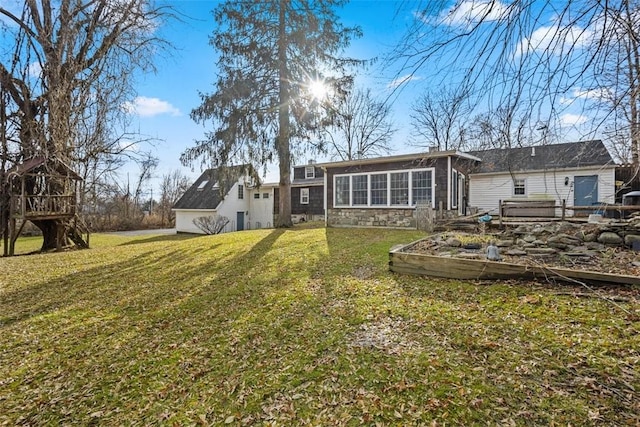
[203,184]
[309,172]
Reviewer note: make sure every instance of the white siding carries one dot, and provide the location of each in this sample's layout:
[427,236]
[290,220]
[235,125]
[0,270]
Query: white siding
[231,205]
[260,210]
[185,217]
[486,190]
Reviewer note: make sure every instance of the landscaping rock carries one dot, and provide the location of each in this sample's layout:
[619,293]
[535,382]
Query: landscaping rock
[453,242]
[504,243]
[516,252]
[541,251]
[610,238]
[529,238]
[629,239]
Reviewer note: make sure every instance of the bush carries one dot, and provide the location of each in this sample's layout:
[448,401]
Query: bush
[213,224]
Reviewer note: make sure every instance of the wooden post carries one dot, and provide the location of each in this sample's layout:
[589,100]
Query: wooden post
[564,207]
[500,212]
[440,210]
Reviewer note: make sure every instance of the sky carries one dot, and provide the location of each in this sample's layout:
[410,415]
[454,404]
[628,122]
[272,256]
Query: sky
[166,98]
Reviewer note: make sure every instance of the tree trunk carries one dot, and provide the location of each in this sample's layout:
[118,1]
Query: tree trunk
[54,234]
[284,151]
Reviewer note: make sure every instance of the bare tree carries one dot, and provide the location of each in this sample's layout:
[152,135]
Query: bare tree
[69,60]
[360,127]
[549,58]
[438,119]
[172,186]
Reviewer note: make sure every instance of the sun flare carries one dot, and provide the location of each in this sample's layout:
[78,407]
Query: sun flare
[318,89]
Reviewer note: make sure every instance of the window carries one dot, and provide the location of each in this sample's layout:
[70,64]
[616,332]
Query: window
[519,187]
[379,189]
[203,184]
[342,191]
[400,188]
[360,190]
[240,191]
[256,195]
[304,196]
[454,188]
[309,172]
[265,195]
[421,187]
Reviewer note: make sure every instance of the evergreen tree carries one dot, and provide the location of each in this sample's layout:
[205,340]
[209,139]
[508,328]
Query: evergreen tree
[272,54]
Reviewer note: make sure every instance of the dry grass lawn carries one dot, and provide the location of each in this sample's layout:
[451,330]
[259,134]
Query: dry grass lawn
[300,327]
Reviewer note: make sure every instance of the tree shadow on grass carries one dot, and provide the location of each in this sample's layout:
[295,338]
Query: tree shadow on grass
[163,238]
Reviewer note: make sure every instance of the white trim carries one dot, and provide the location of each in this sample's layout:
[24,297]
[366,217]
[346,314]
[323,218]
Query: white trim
[410,204]
[313,172]
[324,198]
[513,187]
[302,191]
[449,183]
[454,182]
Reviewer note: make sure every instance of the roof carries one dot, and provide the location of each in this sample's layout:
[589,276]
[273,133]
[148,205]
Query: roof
[34,163]
[211,187]
[309,182]
[401,157]
[543,157]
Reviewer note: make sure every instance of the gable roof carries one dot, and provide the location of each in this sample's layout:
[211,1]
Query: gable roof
[544,157]
[52,164]
[211,187]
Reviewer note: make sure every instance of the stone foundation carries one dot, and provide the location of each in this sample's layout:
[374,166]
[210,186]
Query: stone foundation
[392,218]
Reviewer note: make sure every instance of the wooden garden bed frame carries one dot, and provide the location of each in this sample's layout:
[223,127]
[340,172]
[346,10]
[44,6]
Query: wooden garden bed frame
[402,260]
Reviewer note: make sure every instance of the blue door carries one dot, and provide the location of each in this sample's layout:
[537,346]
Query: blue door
[240,221]
[585,190]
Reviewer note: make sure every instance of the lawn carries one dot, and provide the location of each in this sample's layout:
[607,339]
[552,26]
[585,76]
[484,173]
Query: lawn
[304,326]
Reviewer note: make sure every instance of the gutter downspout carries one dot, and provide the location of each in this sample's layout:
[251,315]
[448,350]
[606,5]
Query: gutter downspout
[326,211]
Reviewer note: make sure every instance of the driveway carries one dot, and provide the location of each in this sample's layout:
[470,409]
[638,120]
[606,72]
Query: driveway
[144,232]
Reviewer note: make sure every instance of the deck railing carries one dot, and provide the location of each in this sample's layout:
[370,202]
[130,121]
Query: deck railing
[43,206]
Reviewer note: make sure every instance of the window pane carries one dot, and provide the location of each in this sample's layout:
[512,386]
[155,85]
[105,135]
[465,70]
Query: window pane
[454,188]
[360,190]
[304,196]
[309,172]
[421,187]
[519,187]
[400,188]
[379,189]
[342,191]
[240,191]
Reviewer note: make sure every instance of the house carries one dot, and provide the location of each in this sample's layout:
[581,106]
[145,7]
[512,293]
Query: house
[307,193]
[231,192]
[384,191]
[581,173]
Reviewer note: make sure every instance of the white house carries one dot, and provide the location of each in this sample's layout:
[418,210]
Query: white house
[581,173]
[230,192]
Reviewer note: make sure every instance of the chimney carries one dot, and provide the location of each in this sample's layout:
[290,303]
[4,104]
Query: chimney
[533,151]
[312,162]
[433,148]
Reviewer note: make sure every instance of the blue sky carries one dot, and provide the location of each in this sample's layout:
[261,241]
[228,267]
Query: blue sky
[166,98]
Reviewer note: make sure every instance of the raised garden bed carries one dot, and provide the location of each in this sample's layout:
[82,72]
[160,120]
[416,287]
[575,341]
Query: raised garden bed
[550,252]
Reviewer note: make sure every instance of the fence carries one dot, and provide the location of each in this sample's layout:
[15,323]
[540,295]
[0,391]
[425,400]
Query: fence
[509,208]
